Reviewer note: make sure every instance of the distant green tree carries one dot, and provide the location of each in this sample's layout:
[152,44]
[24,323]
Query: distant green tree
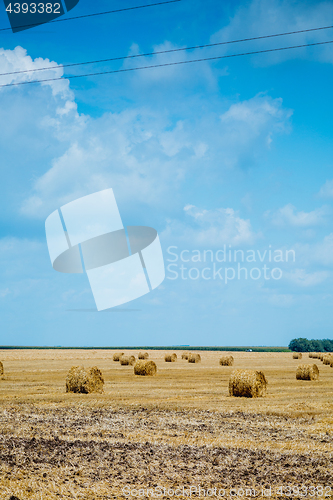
[300,345]
[314,345]
[327,345]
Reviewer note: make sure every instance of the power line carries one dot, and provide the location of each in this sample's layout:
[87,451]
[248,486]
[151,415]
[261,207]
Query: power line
[169,64]
[120,58]
[95,14]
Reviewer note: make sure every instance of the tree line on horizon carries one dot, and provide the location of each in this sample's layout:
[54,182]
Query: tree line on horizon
[314,345]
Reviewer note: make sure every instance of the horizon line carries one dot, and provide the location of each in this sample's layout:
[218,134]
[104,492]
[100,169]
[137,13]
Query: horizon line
[164,347]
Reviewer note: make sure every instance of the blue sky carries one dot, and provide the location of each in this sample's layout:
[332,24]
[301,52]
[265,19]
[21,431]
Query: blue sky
[232,152]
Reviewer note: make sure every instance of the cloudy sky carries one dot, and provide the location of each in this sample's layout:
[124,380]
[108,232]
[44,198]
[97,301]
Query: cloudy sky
[229,154]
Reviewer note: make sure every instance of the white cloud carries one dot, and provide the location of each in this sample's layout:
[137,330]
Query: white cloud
[314,257]
[326,191]
[141,153]
[256,119]
[172,75]
[264,17]
[323,251]
[288,216]
[306,279]
[210,228]
[142,157]
[258,112]
[281,300]
[37,122]
[16,60]
[318,253]
[127,151]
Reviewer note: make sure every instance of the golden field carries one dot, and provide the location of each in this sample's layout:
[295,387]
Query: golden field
[177,429]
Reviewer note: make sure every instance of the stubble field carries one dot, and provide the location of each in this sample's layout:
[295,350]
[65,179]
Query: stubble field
[170,434]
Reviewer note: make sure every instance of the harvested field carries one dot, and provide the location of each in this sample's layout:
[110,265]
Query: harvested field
[179,428]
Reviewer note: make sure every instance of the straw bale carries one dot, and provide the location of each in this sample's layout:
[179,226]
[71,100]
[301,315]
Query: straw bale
[247,383]
[327,359]
[81,381]
[226,361]
[194,358]
[144,367]
[170,358]
[143,355]
[307,372]
[127,360]
[117,356]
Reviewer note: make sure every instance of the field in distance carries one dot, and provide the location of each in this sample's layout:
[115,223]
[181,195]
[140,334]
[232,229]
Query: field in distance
[177,428]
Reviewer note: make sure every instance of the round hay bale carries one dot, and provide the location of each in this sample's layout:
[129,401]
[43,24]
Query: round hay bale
[1,369]
[307,372]
[327,359]
[311,355]
[247,383]
[95,380]
[80,381]
[143,355]
[127,360]
[297,355]
[117,356]
[185,355]
[194,358]
[143,367]
[321,357]
[226,361]
[331,363]
[76,380]
[170,358]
